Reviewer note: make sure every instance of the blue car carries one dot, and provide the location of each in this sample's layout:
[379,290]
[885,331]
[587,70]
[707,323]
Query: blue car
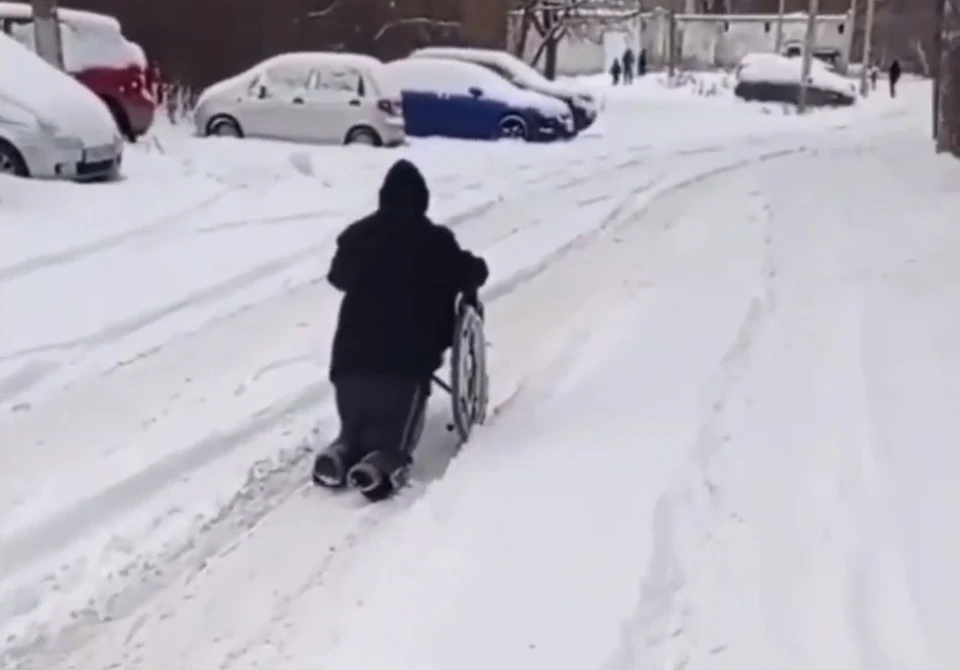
[449,98]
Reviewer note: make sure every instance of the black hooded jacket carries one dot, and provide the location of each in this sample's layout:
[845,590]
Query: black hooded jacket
[400,274]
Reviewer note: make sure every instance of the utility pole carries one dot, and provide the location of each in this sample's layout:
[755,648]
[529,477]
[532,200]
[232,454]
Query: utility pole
[672,43]
[46,32]
[867,47]
[778,44]
[808,45]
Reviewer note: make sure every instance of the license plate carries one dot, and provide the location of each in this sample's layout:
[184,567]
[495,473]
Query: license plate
[97,154]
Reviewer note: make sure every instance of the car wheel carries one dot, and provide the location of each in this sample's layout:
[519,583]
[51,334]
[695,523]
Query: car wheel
[11,161]
[513,128]
[224,126]
[363,135]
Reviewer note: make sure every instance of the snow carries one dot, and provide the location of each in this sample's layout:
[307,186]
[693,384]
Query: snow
[57,99]
[457,77]
[761,67]
[89,40]
[520,71]
[369,65]
[723,435]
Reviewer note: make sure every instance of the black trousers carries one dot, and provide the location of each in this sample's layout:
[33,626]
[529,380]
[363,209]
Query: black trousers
[381,413]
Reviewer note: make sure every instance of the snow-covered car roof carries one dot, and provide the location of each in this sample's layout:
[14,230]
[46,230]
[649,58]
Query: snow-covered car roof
[23,10]
[360,61]
[363,62]
[90,40]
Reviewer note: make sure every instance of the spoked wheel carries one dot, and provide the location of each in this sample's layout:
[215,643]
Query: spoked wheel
[469,387]
[224,126]
[513,128]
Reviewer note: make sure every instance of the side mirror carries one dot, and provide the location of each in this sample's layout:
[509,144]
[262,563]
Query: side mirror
[475,92]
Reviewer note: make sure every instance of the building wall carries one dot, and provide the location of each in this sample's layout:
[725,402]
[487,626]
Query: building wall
[703,40]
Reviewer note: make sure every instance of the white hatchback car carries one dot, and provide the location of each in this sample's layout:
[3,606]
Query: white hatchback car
[320,97]
[51,125]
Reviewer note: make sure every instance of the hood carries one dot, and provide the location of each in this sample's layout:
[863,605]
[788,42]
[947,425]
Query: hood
[545,104]
[404,190]
[58,99]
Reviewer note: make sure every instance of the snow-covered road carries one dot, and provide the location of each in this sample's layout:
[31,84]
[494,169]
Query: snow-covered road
[713,351]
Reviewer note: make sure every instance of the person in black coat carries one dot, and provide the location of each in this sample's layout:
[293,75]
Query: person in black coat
[400,274]
[894,76]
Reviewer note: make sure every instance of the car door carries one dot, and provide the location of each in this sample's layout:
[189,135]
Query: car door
[337,102]
[274,106]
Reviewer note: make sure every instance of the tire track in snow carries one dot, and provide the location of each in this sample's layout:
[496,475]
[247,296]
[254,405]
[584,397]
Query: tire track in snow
[311,399]
[19,551]
[658,633]
[53,259]
[36,372]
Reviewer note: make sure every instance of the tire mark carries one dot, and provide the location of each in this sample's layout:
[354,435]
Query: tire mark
[53,259]
[58,532]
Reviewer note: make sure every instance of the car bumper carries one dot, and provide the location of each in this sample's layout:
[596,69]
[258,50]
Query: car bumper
[393,134]
[141,113]
[584,118]
[556,129]
[73,163]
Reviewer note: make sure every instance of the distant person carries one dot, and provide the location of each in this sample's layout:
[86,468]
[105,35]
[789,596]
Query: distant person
[642,63]
[895,73]
[874,76]
[615,71]
[628,62]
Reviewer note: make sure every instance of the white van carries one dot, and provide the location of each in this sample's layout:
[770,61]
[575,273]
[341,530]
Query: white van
[51,125]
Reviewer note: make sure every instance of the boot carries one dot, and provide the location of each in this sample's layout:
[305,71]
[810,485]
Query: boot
[333,463]
[380,473]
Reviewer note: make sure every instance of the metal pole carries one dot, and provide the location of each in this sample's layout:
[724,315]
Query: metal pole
[46,32]
[778,44]
[808,44]
[672,43]
[867,47]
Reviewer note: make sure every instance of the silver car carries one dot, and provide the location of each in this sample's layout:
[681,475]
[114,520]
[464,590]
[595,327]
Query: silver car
[319,97]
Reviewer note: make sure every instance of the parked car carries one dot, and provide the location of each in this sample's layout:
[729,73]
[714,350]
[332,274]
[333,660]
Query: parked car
[450,98]
[583,105]
[51,125]
[97,54]
[333,98]
[767,77]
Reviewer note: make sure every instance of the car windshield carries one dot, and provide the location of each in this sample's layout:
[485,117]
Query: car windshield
[527,74]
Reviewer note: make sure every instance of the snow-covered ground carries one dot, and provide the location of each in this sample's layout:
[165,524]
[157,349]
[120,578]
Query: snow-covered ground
[724,344]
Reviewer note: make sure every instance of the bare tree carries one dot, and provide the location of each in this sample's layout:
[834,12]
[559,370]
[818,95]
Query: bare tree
[552,20]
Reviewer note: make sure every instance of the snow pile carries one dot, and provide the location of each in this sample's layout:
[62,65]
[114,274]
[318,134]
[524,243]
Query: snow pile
[771,68]
[89,40]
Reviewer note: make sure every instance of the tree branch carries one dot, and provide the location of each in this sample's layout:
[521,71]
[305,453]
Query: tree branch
[320,13]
